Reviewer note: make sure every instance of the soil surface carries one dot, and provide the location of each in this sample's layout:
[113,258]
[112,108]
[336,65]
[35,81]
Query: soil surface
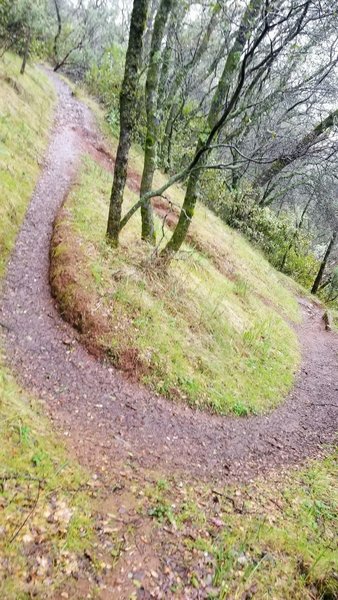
[104,416]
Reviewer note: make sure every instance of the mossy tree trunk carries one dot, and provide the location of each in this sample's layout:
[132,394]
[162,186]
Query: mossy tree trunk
[151,92]
[323,264]
[219,99]
[187,212]
[128,104]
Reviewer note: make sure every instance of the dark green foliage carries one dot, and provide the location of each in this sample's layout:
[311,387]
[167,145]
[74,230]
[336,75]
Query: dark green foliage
[22,26]
[104,80]
[285,246]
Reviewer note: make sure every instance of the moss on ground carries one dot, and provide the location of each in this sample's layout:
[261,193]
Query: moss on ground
[25,117]
[272,539]
[213,330]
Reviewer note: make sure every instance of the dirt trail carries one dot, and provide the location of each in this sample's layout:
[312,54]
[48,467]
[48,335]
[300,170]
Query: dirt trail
[101,412]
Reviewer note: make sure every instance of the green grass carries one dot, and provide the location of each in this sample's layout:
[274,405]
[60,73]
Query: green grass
[25,117]
[34,467]
[268,539]
[212,331]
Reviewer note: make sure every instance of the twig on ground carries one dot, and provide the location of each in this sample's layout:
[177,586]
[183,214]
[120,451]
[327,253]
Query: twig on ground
[16,533]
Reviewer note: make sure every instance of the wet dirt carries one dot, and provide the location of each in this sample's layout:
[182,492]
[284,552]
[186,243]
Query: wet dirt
[102,413]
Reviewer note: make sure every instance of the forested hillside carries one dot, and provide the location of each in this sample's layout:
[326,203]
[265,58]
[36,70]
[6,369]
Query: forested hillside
[168,299]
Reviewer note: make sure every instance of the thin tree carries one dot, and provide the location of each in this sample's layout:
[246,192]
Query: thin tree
[151,94]
[323,264]
[215,122]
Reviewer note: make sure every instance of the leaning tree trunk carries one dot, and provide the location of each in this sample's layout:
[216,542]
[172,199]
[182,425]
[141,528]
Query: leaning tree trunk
[128,103]
[323,264]
[218,100]
[186,214]
[300,150]
[150,152]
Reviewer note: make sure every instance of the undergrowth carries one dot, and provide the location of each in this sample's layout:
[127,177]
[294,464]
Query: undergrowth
[268,539]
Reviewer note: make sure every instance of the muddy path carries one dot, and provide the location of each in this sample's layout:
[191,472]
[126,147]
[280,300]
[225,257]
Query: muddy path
[108,418]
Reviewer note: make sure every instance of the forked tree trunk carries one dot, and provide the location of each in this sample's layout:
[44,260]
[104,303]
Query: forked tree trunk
[128,103]
[323,264]
[150,152]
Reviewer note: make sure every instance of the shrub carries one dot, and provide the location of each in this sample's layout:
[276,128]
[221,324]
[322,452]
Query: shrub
[285,246]
[104,79]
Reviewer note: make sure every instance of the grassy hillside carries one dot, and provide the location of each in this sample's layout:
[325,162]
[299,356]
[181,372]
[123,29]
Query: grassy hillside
[25,117]
[35,472]
[213,330]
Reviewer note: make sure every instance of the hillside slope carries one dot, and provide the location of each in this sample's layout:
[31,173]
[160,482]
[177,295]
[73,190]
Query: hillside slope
[212,330]
[162,532]
[45,520]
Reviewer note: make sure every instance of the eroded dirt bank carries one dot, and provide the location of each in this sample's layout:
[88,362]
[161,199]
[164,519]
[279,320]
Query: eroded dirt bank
[101,412]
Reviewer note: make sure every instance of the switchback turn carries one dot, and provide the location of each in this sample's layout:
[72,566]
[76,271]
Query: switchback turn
[93,403]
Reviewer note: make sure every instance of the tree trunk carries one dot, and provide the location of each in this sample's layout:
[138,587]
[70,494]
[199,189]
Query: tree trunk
[150,152]
[323,264]
[128,103]
[167,139]
[186,214]
[219,99]
[152,8]
[58,33]
[26,53]
[234,58]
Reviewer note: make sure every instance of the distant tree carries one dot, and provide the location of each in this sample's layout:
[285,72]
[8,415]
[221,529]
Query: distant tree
[248,60]
[22,23]
[78,25]
[320,274]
